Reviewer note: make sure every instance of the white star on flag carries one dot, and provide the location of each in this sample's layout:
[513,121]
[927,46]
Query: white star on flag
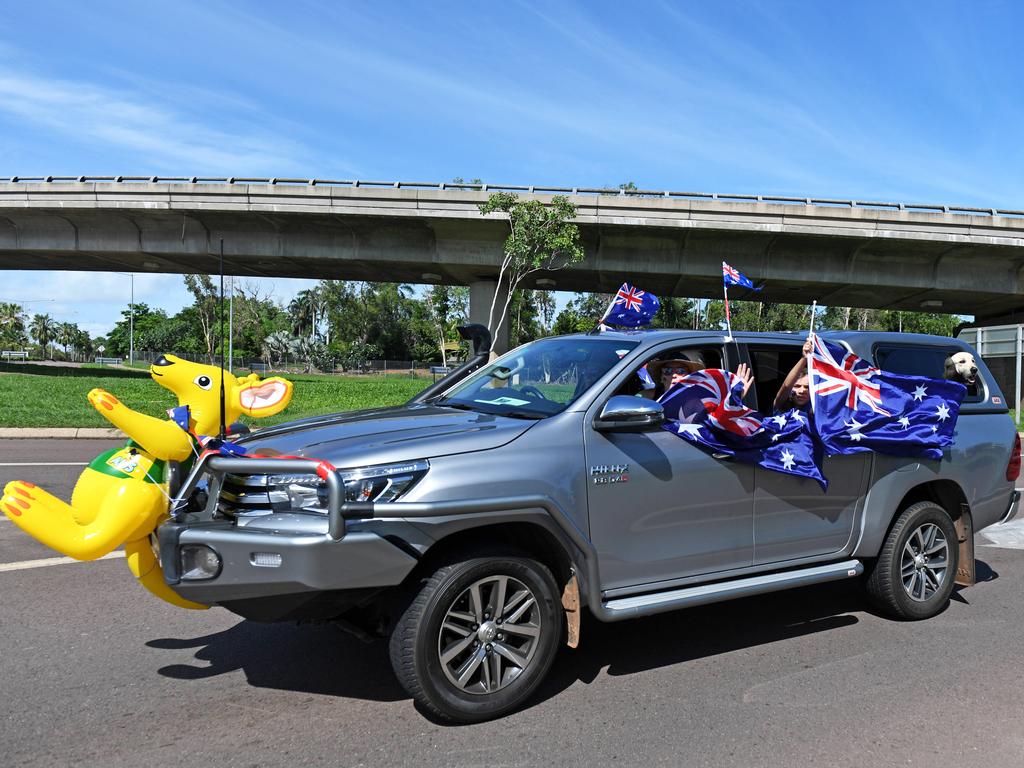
[787,459]
[780,420]
[905,421]
[854,425]
[919,392]
[775,437]
[688,429]
[797,417]
[943,412]
[934,428]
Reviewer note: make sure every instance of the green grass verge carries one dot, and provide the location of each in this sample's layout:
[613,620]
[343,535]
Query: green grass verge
[56,397]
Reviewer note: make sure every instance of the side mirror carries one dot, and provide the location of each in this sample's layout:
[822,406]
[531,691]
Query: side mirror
[623,413]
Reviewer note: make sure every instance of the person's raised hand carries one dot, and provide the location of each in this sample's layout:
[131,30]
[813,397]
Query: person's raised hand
[746,376]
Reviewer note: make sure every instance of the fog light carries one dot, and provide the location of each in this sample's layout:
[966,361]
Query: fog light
[266,559]
[199,563]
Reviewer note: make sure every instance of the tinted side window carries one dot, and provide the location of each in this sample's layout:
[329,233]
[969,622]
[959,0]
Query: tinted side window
[919,361]
[770,366]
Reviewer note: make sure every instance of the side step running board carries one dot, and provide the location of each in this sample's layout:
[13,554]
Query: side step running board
[643,605]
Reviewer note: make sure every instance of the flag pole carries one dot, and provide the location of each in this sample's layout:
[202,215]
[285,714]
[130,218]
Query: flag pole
[728,319]
[597,328]
[810,357]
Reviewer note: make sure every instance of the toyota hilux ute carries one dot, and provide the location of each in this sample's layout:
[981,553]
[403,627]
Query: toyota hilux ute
[472,525]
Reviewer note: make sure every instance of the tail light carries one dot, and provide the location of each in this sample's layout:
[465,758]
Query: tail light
[1013,468]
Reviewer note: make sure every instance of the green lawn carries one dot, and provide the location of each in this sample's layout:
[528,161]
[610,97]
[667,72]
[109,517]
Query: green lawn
[44,396]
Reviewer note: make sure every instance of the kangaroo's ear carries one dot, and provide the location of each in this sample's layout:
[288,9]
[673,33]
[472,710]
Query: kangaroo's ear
[264,398]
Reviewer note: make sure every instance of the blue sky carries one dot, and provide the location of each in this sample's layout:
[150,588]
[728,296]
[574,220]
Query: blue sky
[884,101]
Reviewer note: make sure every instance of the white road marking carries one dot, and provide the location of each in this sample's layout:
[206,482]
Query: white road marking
[44,562]
[43,463]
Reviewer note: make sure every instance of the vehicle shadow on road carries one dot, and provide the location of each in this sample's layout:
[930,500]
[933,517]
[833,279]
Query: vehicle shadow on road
[678,637]
[324,660]
[310,659]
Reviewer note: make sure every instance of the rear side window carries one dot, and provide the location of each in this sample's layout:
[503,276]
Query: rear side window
[921,361]
[770,366]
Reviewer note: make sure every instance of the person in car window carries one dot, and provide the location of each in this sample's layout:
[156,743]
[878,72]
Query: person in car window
[662,371]
[795,391]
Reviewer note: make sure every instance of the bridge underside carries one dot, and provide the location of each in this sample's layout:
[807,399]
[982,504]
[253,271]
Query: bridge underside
[895,272]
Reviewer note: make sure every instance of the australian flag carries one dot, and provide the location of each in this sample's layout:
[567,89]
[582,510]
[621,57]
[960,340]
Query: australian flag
[858,407]
[732,276]
[631,307]
[706,408]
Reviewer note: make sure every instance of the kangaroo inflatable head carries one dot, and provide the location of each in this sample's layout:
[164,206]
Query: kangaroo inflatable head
[198,387]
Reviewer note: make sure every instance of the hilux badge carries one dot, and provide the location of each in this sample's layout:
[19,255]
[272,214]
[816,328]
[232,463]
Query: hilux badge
[607,474]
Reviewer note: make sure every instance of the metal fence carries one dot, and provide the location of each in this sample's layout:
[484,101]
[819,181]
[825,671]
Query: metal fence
[293,364]
[998,345]
[530,189]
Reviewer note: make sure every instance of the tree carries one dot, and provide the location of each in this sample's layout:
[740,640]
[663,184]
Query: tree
[64,333]
[277,346]
[12,324]
[540,238]
[206,304]
[307,312]
[582,313]
[43,330]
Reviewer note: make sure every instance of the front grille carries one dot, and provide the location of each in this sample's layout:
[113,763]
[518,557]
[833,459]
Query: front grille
[252,495]
[249,495]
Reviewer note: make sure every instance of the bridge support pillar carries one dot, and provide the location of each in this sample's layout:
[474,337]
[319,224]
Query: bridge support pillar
[481,293]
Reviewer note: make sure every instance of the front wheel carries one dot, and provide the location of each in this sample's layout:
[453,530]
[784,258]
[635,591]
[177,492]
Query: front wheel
[478,637]
[915,572]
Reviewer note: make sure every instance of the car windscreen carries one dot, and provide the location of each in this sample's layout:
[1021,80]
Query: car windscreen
[539,379]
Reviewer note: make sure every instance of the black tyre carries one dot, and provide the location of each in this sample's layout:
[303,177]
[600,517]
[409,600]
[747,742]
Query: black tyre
[915,572]
[478,637]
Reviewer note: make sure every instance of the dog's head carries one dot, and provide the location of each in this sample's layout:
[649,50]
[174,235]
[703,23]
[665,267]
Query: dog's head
[961,367]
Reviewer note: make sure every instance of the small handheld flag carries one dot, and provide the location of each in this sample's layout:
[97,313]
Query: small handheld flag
[732,276]
[631,307]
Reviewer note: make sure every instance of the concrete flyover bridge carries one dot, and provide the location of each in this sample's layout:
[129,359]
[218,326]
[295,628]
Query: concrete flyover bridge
[844,252]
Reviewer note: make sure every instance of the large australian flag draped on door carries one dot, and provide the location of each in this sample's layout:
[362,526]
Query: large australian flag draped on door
[706,408]
[858,407]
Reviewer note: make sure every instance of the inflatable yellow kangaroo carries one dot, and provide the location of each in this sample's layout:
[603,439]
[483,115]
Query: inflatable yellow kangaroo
[121,496]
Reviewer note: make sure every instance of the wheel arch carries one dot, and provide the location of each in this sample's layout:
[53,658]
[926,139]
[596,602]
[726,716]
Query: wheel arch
[535,536]
[950,496]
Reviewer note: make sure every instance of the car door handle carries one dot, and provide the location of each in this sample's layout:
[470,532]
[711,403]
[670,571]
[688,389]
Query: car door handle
[721,455]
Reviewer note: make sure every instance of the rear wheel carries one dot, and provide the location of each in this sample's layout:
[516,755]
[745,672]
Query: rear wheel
[915,572]
[478,637]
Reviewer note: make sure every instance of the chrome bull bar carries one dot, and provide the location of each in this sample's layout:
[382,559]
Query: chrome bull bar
[218,466]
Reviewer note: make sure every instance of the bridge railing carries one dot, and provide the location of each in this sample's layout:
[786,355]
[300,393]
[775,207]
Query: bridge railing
[529,189]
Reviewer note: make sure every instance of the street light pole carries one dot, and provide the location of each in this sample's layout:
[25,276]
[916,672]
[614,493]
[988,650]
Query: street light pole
[131,324]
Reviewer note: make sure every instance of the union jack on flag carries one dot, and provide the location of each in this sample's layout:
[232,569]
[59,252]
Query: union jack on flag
[852,376]
[720,393]
[732,276]
[631,307]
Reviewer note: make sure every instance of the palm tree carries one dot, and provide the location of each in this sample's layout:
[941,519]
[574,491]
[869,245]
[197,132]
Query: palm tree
[307,310]
[65,334]
[82,343]
[12,323]
[277,345]
[42,330]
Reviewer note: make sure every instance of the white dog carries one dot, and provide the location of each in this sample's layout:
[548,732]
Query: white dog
[961,367]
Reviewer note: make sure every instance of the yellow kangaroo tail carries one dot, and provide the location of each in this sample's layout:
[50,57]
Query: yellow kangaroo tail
[146,569]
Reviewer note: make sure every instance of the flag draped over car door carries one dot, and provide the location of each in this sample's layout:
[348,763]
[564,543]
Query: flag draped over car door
[706,408]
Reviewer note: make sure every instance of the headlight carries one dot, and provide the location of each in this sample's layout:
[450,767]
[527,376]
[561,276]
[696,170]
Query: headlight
[381,484]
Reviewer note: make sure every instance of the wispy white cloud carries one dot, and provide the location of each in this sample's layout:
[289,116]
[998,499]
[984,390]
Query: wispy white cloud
[150,133]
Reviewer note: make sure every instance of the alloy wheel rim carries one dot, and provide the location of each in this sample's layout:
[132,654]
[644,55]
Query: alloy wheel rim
[924,564]
[489,635]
